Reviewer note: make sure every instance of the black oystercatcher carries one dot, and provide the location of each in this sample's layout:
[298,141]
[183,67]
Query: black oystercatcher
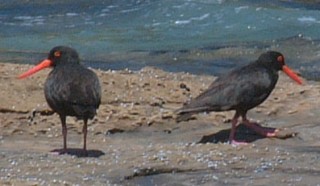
[241,90]
[70,89]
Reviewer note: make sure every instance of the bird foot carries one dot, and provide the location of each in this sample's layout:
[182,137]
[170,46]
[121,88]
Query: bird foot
[58,152]
[268,132]
[238,143]
[271,132]
[73,152]
[263,131]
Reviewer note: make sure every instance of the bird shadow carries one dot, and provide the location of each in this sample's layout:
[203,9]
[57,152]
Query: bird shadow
[79,153]
[243,134]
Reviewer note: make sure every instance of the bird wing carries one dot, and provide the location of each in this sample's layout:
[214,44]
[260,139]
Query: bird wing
[86,91]
[244,87]
[76,93]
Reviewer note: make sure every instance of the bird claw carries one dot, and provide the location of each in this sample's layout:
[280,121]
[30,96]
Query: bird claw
[285,133]
[276,133]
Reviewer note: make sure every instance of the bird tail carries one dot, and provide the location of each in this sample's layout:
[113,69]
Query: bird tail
[185,113]
[85,111]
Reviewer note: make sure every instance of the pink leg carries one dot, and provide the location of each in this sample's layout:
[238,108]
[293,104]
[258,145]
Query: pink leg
[264,131]
[234,123]
[84,130]
[64,133]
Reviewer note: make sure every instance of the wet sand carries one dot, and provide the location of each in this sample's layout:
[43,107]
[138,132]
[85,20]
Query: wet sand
[134,140]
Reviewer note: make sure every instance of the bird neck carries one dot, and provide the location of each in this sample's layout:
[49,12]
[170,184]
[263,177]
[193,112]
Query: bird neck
[269,66]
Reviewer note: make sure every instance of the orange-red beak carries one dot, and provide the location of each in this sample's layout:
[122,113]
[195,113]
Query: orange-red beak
[43,64]
[291,74]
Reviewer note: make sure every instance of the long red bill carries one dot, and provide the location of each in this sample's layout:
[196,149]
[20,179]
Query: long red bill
[291,74]
[43,64]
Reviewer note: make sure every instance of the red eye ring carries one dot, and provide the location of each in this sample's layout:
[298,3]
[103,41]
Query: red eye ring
[57,54]
[280,59]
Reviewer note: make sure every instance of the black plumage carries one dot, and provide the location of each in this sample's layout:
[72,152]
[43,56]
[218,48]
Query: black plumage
[70,89]
[241,90]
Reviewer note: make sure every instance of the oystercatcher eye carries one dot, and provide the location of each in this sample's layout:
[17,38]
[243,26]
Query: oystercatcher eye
[57,54]
[280,59]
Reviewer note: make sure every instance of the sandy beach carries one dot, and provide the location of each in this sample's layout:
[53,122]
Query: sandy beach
[134,139]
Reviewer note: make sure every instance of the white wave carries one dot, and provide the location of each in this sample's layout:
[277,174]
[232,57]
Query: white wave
[23,17]
[130,10]
[182,22]
[71,14]
[30,20]
[187,21]
[201,17]
[238,9]
[308,19]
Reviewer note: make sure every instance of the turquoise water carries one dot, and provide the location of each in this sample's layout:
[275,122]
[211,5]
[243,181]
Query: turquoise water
[123,33]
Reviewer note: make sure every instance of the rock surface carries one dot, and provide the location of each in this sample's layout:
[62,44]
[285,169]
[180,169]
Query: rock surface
[134,140]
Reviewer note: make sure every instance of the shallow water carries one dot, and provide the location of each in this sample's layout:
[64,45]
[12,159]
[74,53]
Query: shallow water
[167,34]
